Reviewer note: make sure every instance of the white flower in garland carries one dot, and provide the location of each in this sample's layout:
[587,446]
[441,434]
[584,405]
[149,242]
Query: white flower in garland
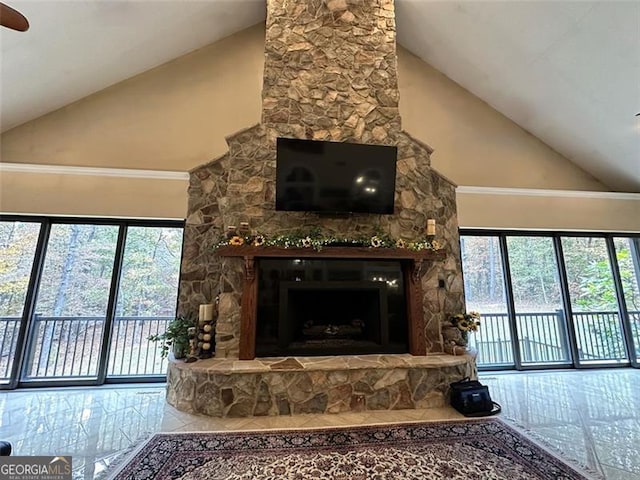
[258,241]
[400,243]
[436,245]
[306,242]
[376,241]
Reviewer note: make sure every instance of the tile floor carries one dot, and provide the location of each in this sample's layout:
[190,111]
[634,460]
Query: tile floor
[591,417]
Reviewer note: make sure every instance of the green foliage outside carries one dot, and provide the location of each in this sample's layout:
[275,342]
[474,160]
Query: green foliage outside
[534,274]
[78,268]
[149,282]
[536,285]
[17,246]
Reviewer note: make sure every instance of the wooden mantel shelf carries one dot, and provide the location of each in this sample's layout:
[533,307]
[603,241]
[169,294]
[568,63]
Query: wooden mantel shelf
[369,253]
[411,260]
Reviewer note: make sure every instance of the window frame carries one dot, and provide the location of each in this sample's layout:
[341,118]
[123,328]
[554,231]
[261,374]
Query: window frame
[556,236]
[35,276]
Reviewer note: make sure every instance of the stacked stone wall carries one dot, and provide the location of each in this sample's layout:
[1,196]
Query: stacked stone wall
[330,73]
[331,69]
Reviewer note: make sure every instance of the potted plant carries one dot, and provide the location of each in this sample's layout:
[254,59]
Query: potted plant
[175,337]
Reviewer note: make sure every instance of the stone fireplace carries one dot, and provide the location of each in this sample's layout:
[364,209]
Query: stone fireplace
[330,74]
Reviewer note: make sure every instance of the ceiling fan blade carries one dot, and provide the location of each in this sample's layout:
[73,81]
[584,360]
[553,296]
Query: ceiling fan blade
[13,19]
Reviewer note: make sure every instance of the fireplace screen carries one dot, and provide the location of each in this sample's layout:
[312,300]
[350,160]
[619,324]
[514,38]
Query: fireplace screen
[330,307]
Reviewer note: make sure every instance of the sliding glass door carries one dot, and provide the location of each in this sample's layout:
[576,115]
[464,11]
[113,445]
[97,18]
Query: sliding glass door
[146,301]
[627,251]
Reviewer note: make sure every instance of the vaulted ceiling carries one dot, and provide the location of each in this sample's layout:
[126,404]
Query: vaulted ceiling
[568,72]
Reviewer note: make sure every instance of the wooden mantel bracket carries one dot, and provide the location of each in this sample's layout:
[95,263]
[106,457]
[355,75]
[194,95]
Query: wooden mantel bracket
[416,270]
[250,268]
[248,310]
[411,260]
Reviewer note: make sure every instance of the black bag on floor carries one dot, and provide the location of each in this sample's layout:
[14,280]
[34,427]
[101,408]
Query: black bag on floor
[472,399]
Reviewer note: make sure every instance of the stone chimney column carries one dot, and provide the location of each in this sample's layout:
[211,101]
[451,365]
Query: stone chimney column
[331,70]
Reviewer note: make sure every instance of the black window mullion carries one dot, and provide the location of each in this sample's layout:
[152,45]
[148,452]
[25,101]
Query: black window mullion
[634,246]
[26,324]
[111,304]
[511,311]
[566,301]
[622,306]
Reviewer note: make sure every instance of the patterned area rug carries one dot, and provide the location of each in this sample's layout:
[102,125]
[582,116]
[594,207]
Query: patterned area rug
[481,449]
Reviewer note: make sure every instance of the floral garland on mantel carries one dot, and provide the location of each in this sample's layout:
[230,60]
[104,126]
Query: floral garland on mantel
[315,240]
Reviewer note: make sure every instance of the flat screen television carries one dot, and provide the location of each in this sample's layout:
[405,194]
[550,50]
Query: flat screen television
[334,177]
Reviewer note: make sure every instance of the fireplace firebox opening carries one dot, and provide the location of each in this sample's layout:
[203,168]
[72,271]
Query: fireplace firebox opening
[330,307]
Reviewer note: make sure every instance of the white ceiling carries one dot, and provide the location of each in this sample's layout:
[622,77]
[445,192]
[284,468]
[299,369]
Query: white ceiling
[77,47]
[566,71]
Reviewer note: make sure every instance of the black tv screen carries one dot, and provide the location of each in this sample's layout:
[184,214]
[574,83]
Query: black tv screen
[335,177]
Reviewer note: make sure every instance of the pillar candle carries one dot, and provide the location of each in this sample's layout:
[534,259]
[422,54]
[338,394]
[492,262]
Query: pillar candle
[431,227]
[208,312]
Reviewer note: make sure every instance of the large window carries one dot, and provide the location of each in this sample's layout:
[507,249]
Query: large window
[593,300]
[79,298]
[17,249]
[485,292]
[567,299]
[537,301]
[146,299]
[628,259]
[69,317]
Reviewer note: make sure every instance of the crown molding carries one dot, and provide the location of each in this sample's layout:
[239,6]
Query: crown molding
[92,171]
[535,192]
[183,176]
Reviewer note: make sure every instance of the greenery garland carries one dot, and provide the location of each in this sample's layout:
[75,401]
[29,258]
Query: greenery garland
[314,239]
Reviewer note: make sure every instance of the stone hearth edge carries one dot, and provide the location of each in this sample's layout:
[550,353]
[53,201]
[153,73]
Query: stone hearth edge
[295,385]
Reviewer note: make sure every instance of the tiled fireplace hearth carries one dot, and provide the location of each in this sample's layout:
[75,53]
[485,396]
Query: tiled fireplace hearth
[330,74]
